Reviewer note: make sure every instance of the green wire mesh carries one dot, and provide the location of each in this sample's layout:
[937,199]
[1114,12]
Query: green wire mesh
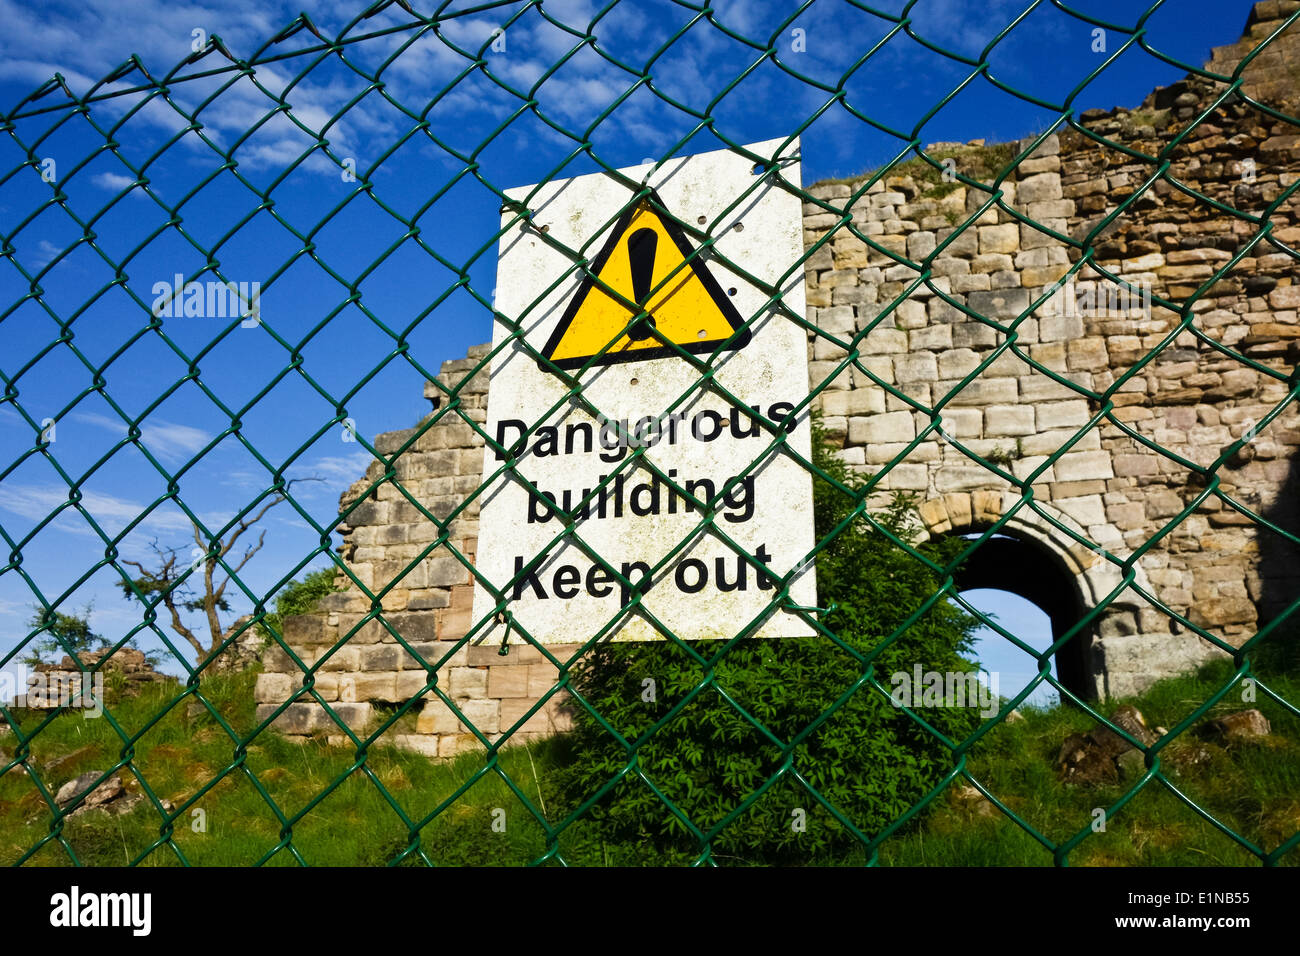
[301,47]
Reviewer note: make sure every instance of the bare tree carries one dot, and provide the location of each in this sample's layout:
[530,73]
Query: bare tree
[164,579]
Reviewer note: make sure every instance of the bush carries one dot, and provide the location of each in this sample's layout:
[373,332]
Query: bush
[298,597]
[868,759]
[65,634]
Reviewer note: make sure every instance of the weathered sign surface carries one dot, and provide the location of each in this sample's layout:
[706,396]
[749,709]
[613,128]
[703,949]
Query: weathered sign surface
[650,289]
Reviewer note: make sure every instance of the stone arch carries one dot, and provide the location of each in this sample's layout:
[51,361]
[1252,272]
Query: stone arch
[1062,576]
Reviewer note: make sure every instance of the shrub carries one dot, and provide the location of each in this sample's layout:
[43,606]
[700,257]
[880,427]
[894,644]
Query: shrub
[298,597]
[69,634]
[868,758]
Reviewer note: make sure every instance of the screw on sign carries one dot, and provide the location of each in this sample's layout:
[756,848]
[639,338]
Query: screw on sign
[650,498]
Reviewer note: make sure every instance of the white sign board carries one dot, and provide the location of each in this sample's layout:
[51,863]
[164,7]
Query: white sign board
[711,448]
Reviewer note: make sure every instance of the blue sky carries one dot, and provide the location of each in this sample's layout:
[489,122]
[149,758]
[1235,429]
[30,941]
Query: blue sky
[1047,55]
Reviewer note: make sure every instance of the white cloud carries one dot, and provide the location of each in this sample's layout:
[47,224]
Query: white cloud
[171,442]
[45,253]
[113,181]
[110,512]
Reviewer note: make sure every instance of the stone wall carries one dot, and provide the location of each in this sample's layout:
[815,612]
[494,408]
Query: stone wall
[428,603]
[894,342]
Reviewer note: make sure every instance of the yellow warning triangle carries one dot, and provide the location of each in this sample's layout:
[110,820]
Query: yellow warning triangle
[648,261]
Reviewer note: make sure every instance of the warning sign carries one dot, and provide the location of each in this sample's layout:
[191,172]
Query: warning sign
[661,499]
[662,295]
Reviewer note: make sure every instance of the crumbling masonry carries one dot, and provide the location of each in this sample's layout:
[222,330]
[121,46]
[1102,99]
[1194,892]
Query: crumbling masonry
[1113,487]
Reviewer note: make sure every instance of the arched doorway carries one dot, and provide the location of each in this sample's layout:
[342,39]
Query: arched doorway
[1027,569]
[1040,553]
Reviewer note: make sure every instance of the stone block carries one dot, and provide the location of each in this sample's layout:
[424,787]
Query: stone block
[865,400]
[1041,187]
[1163,504]
[889,427]
[1087,354]
[1127,666]
[917,367]
[344,659]
[975,335]
[965,478]
[1068,414]
[1041,388]
[934,515]
[971,283]
[468,682]
[444,571]
[411,683]
[908,477]
[273,688]
[1005,421]
[1000,303]
[838,320]
[959,509]
[541,678]
[1001,238]
[992,262]
[963,422]
[884,341]
[382,657]
[452,745]
[964,242]
[931,337]
[508,680]
[1088,510]
[302,630]
[484,715]
[879,454]
[513,710]
[1059,328]
[920,245]
[958,363]
[1135,466]
[986,506]
[435,717]
[982,391]
[381,686]
[1050,442]
[1083,466]
[1220,611]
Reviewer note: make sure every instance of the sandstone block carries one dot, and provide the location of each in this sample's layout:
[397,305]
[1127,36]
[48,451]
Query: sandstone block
[1083,465]
[468,682]
[508,680]
[889,427]
[1068,414]
[272,688]
[1040,187]
[1008,420]
[1000,238]
[1059,328]
[916,367]
[982,391]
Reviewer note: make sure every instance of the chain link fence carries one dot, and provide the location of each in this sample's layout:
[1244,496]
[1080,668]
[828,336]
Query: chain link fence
[172,142]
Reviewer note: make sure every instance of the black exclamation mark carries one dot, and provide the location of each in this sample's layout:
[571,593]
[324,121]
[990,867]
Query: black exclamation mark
[641,258]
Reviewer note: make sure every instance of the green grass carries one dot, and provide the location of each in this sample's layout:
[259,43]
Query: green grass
[1252,788]
[982,163]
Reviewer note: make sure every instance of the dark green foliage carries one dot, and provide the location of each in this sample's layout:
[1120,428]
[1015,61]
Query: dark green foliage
[867,758]
[69,634]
